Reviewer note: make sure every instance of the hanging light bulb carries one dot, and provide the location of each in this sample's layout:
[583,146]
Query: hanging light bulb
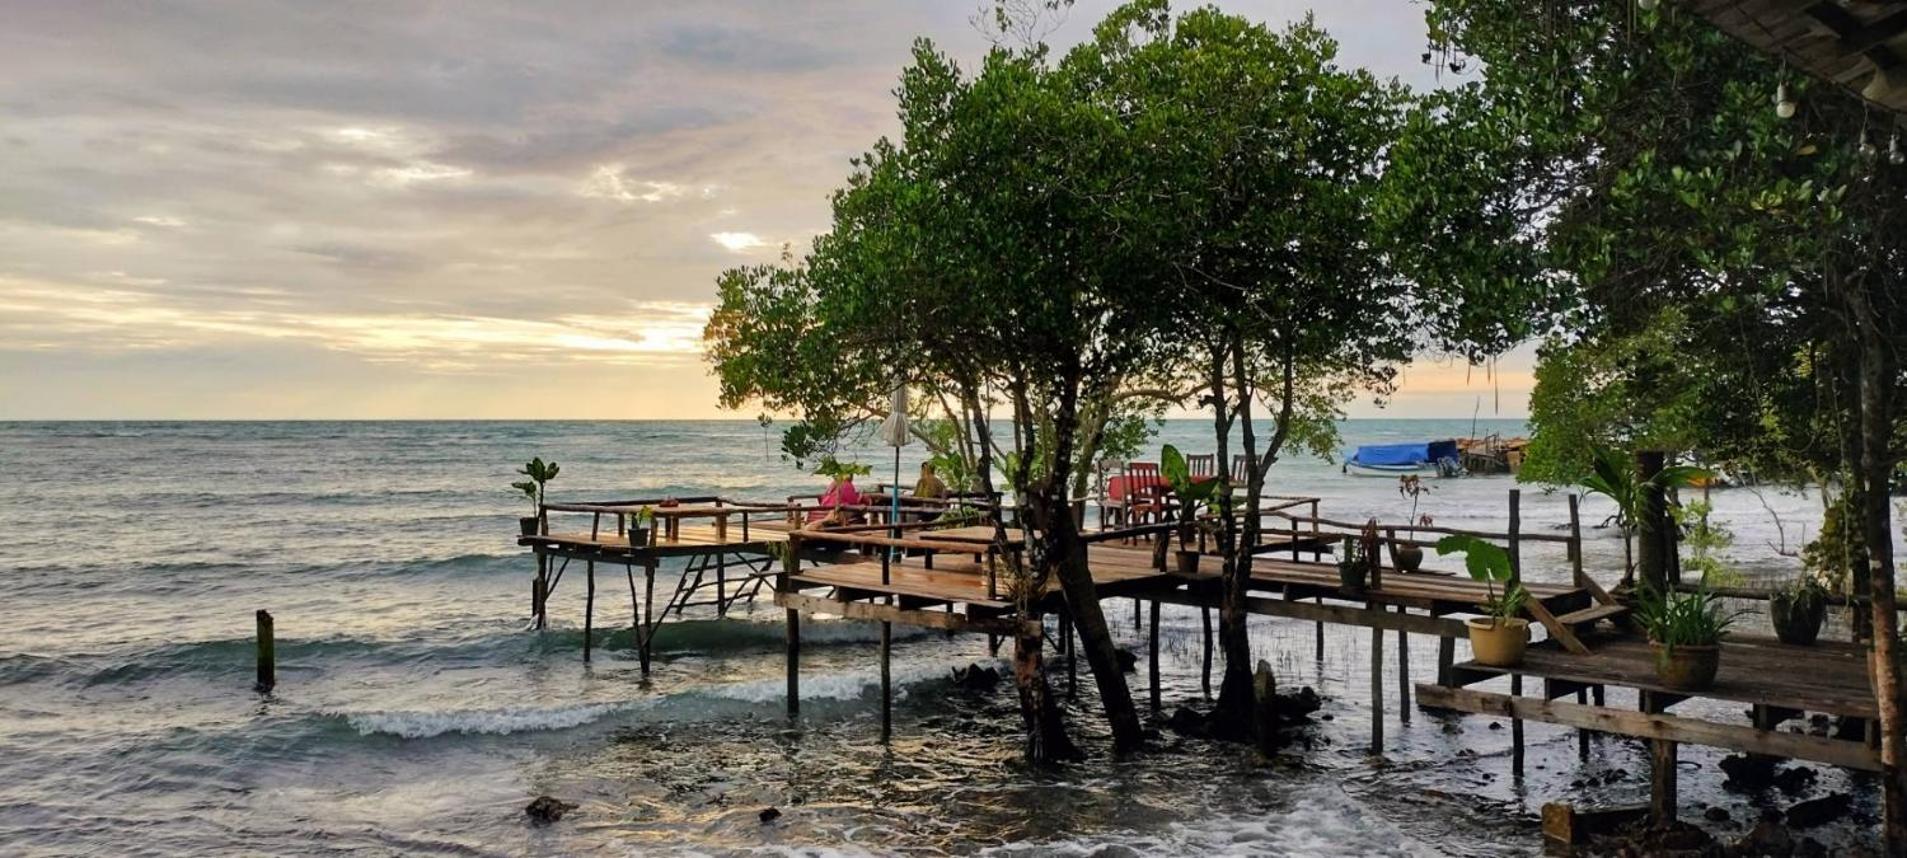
[1784,106]
[1894,155]
[1648,5]
[1868,151]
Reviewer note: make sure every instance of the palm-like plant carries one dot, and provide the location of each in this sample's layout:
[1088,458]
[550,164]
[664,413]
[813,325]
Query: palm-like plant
[1615,478]
[539,473]
[1191,494]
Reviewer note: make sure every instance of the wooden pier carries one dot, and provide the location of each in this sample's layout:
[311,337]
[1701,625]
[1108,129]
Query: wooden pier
[952,577]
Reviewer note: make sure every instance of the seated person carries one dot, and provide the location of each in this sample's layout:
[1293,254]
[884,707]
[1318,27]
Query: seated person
[929,487]
[833,511]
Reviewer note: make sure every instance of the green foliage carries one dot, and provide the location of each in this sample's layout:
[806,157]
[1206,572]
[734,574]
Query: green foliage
[1489,563]
[1673,618]
[833,468]
[1704,541]
[1613,475]
[540,473]
[1830,556]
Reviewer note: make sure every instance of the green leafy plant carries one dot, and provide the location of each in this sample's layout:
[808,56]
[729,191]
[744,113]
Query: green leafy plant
[834,468]
[1614,476]
[1673,618]
[1192,494]
[1704,540]
[536,487]
[645,517]
[1489,563]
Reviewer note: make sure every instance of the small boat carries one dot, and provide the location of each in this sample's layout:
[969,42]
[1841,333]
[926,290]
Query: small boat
[1389,460]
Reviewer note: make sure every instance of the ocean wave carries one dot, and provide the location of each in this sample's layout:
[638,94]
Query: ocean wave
[425,724]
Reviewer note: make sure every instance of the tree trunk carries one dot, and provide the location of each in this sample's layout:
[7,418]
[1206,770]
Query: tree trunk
[1653,524]
[1877,471]
[1082,604]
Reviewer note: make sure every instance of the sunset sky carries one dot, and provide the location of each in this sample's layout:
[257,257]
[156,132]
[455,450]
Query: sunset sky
[246,209]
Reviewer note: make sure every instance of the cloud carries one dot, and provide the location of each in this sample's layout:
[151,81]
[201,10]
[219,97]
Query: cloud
[432,192]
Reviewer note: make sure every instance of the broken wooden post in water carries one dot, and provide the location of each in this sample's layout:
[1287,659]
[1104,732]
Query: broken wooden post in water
[267,655]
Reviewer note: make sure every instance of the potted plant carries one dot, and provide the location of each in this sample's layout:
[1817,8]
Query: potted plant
[1409,557]
[1352,567]
[1499,637]
[1685,630]
[1798,609]
[1193,494]
[640,525]
[539,473]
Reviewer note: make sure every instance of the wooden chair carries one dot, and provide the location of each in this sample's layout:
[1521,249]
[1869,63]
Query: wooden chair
[1202,464]
[1131,498]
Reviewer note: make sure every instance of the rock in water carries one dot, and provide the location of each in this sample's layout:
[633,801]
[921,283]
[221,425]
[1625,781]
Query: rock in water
[1128,660]
[1820,811]
[544,809]
[769,814]
[976,677]
[1186,722]
[1264,713]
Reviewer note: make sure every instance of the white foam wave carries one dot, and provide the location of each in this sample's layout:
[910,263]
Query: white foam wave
[839,686]
[414,724]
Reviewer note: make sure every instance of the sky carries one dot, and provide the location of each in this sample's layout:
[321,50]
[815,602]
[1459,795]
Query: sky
[250,209]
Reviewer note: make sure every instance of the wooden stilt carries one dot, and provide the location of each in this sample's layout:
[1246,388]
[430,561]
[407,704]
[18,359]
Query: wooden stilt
[1377,689]
[1072,662]
[1516,729]
[1319,631]
[589,609]
[1662,799]
[1403,672]
[1138,622]
[791,563]
[267,653]
[1205,665]
[1152,657]
[1582,735]
[887,681]
[542,590]
[648,613]
[721,585]
[1446,658]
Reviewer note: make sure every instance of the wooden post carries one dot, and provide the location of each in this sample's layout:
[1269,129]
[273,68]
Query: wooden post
[1662,798]
[791,563]
[649,613]
[635,607]
[1576,575]
[1205,668]
[1377,686]
[1516,729]
[1403,672]
[1582,698]
[1317,632]
[1446,659]
[267,655]
[1072,660]
[887,681]
[589,608]
[1152,655]
[1516,538]
[540,591]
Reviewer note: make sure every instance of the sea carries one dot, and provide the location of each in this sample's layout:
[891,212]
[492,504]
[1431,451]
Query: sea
[416,711]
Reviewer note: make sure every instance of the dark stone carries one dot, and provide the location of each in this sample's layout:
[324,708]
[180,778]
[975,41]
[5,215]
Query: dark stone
[1128,660]
[1748,773]
[1715,814]
[1294,707]
[1850,728]
[1264,711]
[1820,725]
[769,814]
[1795,781]
[1766,838]
[1810,848]
[976,677]
[544,810]
[1820,811]
[1496,725]
[1186,722]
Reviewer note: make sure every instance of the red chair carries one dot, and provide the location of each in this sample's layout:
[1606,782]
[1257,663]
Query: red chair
[1132,498]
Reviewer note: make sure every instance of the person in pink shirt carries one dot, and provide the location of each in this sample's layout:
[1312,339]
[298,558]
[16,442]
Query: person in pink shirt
[841,494]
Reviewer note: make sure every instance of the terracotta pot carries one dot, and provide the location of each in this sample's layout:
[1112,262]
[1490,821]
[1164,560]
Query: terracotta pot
[1409,558]
[1797,621]
[1188,562]
[1685,667]
[1498,643]
[528,524]
[1351,577]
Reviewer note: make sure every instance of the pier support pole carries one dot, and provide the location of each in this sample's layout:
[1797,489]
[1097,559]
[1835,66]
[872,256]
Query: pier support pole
[540,591]
[1319,631]
[1205,666]
[589,609]
[791,563]
[1446,659]
[1662,799]
[1066,634]
[1152,657]
[1377,688]
[1403,672]
[887,681]
[1516,730]
[1582,735]
[267,655]
[648,613]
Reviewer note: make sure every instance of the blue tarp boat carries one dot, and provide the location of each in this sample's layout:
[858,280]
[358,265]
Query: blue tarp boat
[1441,457]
